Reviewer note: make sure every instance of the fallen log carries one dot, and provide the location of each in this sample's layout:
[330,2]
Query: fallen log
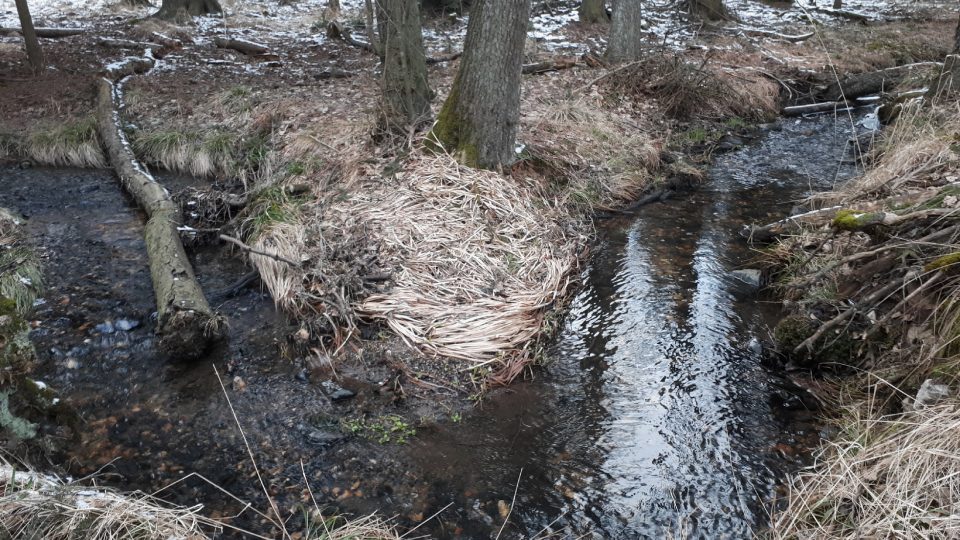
[792,224]
[841,13]
[862,84]
[128,44]
[241,45]
[49,33]
[445,58]
[800,110]
[186,325]
[131,65]
[549,65]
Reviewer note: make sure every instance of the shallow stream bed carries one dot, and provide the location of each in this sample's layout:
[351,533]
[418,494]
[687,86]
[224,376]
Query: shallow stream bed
[655,417]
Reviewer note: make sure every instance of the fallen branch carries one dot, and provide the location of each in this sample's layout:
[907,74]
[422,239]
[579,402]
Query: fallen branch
[807,344]
[241,45]
[185,323]
[770,232]
[128,66]
[49,33]
[256,251]
[336,30]
[903,303]
[800,110]
[843,14]
[776,35]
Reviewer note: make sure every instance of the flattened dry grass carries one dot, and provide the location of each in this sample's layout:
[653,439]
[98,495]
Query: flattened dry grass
[33,505]
[886,476]
[74,143]
[474,258]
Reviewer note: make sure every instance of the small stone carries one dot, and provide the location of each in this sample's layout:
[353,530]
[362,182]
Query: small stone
[303,375]
[950,201]
[125,325]
[336,392]
[323,438]
[239,384]
[106,327]
[750,276]
[931,392]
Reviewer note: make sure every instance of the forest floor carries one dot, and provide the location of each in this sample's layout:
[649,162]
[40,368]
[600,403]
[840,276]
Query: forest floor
[447,312]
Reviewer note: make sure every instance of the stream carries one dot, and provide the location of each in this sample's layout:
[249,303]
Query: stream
[656,417]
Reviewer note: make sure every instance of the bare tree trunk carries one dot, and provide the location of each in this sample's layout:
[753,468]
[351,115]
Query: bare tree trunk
[478,121]
[708,10]
[837,4]
[406,93]
[371,28]
[626,32]
[593,11]
[173,9]
[334,6]
[34,52]
[956,40]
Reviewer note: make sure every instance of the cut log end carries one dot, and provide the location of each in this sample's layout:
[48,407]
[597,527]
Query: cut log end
[187,334]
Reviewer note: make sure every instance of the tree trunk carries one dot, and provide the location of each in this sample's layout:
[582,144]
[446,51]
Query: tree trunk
[956,40]
[478,121]
[171,10]
[34,53]
[626,32]
[837,4]
[712,10]
[406,94]
[593,11]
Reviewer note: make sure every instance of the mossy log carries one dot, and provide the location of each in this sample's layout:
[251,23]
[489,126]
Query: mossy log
[186,325]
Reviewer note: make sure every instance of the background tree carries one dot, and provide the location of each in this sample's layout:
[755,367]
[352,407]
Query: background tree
[626,32]
[171,9]
[34,52]
[593,11]
[712,10]
[956,40]
[406,95]
[478,121]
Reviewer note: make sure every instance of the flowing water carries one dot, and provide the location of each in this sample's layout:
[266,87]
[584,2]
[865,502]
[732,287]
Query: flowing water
[656,416]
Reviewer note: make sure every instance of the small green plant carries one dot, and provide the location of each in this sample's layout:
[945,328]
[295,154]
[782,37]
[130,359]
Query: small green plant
[456,417]
[385,429]
[736,123]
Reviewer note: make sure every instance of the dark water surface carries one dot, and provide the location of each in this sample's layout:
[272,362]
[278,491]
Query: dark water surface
[654,419]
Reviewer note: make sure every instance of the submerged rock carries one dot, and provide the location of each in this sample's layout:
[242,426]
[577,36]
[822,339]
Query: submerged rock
[336,392]
[751,276]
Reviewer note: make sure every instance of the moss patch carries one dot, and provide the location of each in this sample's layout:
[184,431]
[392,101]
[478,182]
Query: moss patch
[851,220]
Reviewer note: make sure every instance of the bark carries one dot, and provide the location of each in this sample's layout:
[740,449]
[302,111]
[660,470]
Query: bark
[478,121]
[712,10]
[50,33]
[626,32]
[862,84]
[172,10]
[34,52]
[241,45]
[593,11]
[186,325]
[549,65]
[956,39]
[406,94]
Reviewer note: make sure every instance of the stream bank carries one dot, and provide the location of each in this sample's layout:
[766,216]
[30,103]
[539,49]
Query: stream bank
[656,398]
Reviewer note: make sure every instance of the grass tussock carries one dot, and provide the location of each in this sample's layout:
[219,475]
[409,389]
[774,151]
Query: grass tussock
[21,279]
[597,159]
[198,154]
[686,90]
[73,143]
[33,505]
[886,476]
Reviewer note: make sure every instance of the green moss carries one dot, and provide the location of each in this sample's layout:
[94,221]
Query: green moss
[851,220]
[791,331]
[450,133]
[950,261]
[19,428]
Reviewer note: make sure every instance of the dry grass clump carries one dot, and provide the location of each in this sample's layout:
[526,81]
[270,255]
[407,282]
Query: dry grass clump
[74,143]
[208,154]
[371,527]
[473,258]
[598,158]
[893,476]
[33,505]
[687,90]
